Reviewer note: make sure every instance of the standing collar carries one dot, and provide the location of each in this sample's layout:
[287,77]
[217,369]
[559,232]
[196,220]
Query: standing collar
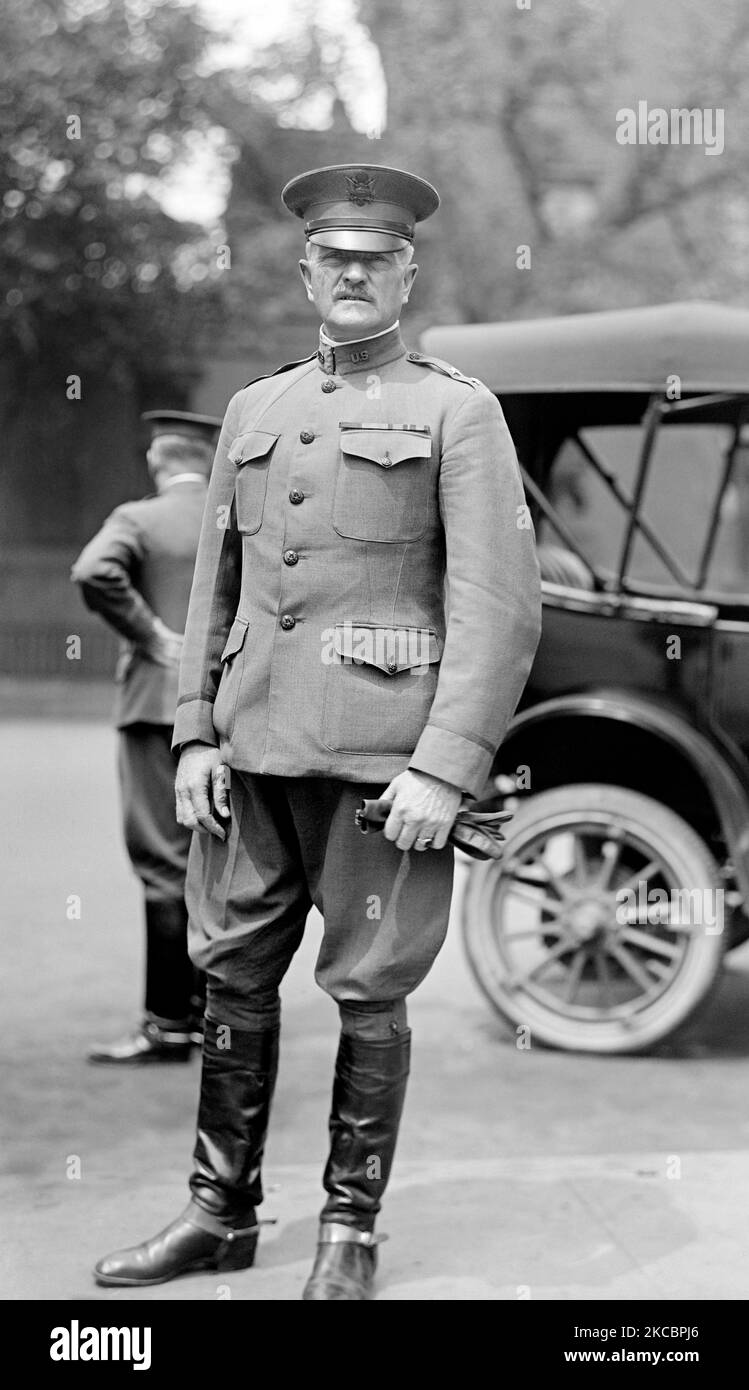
[361,355]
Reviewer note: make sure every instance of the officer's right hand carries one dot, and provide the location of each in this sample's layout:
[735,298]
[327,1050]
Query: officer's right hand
[200,786]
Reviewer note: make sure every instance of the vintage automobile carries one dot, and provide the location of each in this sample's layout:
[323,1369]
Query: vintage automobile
[626,869]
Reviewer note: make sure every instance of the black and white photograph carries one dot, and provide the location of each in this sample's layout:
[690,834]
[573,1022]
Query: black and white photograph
[374,583]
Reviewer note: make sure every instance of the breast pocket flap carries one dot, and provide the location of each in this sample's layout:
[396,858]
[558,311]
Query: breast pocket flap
[255,444]
[390,649]
[235,640]
[386,447]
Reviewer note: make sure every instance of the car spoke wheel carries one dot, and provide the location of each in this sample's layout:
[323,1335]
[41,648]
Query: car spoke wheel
[601,928]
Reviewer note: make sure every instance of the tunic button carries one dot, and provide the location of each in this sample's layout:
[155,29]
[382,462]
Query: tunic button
[306,436]
[287,622]
[296,496]
[392,667]
[327,387]
[290,557]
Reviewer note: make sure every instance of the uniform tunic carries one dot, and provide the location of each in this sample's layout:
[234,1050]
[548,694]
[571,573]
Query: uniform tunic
[318,642]
[347,492]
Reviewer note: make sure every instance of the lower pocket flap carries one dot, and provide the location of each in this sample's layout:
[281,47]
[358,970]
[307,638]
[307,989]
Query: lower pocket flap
[235,640]
[390,649]
[255,444]
[386,447]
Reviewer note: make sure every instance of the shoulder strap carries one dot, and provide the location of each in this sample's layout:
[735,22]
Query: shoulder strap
[446,368]
[287,367]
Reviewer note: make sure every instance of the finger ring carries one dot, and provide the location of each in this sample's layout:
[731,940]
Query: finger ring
[427,841]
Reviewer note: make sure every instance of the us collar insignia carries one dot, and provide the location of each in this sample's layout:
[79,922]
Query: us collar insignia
[361,189]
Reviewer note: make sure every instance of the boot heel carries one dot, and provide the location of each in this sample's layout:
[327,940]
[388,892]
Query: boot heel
[237,1254]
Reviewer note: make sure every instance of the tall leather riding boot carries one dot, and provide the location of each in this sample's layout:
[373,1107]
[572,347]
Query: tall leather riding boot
[368,1095]
[238,1080]
[218,1230]
[166,1030]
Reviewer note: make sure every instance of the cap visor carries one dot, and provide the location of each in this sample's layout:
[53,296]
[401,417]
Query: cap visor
[364,240]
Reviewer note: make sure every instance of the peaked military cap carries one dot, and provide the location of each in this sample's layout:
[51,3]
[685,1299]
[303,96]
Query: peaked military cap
[360,207]
[205,427]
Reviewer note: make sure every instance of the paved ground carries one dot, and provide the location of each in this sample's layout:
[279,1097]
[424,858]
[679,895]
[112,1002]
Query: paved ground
[520,1173]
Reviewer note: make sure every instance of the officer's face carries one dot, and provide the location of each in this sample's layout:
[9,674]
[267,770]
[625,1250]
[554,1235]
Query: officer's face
[357,293]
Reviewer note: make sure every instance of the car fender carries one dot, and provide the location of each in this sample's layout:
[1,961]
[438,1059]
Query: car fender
[720,764]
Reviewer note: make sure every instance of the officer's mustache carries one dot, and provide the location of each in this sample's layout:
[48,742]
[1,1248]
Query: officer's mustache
[351,294]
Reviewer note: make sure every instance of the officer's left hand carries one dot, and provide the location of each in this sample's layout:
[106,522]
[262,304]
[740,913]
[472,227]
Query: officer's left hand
[424,809]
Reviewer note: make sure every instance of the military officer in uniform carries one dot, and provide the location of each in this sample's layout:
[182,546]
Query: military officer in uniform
[321,666]
[137,572]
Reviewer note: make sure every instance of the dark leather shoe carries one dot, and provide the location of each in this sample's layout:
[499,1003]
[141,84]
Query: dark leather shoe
[195,1241]
[151,1042]
[345,1265]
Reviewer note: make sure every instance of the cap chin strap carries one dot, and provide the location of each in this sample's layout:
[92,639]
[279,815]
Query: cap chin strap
[355,224]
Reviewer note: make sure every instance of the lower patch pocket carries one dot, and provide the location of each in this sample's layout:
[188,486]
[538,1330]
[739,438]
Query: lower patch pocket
[232,657]
[379,687]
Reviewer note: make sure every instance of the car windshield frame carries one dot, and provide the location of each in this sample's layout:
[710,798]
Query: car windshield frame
[729,408]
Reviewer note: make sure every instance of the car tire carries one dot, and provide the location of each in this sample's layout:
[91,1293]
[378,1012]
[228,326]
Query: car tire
[566,943]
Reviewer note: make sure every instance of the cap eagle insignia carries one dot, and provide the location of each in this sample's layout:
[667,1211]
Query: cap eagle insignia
[361,189]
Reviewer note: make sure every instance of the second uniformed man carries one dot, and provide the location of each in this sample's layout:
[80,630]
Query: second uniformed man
[322,666]
[136,573]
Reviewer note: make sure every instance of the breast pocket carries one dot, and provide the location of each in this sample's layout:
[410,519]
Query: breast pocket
[382,489]
[379,687]
[251,454]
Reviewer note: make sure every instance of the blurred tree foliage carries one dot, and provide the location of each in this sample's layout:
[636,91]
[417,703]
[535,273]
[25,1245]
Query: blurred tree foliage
[512,113]
[284,113]
[96,98]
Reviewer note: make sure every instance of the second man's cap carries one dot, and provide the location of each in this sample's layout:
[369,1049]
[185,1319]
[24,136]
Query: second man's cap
[183,422]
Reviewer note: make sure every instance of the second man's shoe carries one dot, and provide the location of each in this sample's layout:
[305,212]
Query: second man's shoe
[154,1041]
[195,1241]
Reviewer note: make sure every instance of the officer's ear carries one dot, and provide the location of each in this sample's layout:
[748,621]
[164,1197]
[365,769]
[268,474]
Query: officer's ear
[306,274]
[409,275]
